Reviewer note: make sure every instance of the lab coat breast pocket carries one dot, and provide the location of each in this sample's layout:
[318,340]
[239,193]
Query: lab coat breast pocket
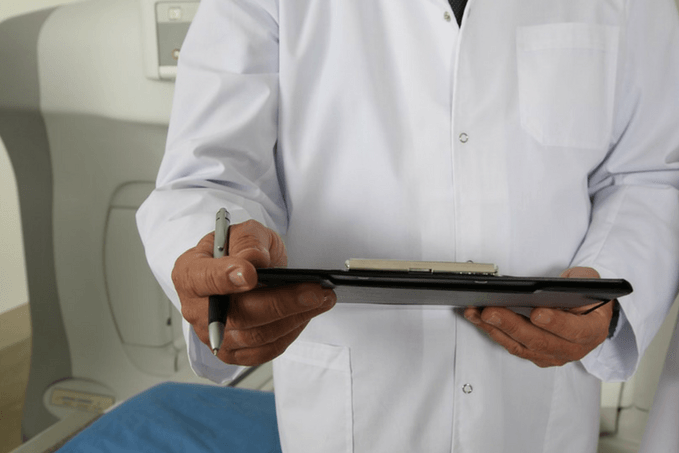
[314,398]
[566,76]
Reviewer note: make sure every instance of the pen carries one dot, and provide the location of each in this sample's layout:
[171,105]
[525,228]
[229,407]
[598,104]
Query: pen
[219,304]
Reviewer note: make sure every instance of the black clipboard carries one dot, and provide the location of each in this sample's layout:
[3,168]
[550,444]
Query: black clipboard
[423,287]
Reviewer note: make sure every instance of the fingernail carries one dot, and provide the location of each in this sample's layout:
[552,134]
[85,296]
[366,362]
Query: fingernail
[329,297]
[542,318]
[237,278]
[494,320]
[309,299]
[473,318]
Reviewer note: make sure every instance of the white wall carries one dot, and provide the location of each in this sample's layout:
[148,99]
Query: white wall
[13,291]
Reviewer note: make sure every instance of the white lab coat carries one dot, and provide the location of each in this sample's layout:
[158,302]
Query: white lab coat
[541,135]
[662,429]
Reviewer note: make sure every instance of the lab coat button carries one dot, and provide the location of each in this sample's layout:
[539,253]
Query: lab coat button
[467,388]
[464,137]
[446,16]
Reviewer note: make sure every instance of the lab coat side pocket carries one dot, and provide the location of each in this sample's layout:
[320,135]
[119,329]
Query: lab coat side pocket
[566,77]
[314,398]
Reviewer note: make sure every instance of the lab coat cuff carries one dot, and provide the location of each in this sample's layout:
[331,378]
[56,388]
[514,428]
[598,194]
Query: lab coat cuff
[204,363]
[618,356]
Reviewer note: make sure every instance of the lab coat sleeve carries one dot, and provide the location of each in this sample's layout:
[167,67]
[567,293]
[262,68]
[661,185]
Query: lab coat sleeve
[634,230]
[221,145]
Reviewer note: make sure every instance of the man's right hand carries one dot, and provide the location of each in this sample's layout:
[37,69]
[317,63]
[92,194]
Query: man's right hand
[261,323]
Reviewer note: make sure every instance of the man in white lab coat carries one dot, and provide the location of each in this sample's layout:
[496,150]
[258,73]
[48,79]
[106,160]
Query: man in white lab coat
[540,135]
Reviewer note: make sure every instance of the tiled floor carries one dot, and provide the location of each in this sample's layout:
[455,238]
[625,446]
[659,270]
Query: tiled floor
[15,355]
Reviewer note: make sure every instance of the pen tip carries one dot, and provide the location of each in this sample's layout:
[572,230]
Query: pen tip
[215,351]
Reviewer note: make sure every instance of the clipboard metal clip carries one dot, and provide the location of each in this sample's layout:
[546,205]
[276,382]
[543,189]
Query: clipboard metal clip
[427,267]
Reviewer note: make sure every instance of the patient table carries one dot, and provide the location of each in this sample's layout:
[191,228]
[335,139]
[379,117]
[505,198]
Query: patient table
[174,417]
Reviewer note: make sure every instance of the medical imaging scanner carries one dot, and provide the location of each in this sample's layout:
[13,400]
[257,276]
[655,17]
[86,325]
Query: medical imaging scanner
[85,98]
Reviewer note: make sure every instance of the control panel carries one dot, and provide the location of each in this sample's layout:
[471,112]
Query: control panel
[165,24]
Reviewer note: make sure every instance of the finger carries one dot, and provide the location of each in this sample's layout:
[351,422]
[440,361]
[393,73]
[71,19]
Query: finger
[265,306]
[197,274]
[249,240]
[580,272]
[573,327]
[269,333]
[205,246]
[539,353]
[262,354]
[255,329]
[472,314]
[257,244]
[538,357]
[521,330]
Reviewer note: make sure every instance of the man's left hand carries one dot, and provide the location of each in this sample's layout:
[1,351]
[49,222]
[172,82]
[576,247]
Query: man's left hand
[550,337]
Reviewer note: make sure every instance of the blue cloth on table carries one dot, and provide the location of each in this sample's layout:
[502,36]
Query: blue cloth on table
[173,417]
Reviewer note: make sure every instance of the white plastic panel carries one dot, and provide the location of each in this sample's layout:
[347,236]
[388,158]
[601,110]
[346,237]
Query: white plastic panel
[622,427]
[106,123]
[92,62]
[164,24]
[650,368]
[610,404]
[172,23]
[147,323]
[90,389]
[141,311]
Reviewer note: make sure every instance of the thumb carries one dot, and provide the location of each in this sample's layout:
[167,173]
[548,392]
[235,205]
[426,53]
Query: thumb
[580,272]
[197,274]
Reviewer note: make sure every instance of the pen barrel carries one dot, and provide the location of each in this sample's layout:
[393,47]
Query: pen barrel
[218,308]
[222,227]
